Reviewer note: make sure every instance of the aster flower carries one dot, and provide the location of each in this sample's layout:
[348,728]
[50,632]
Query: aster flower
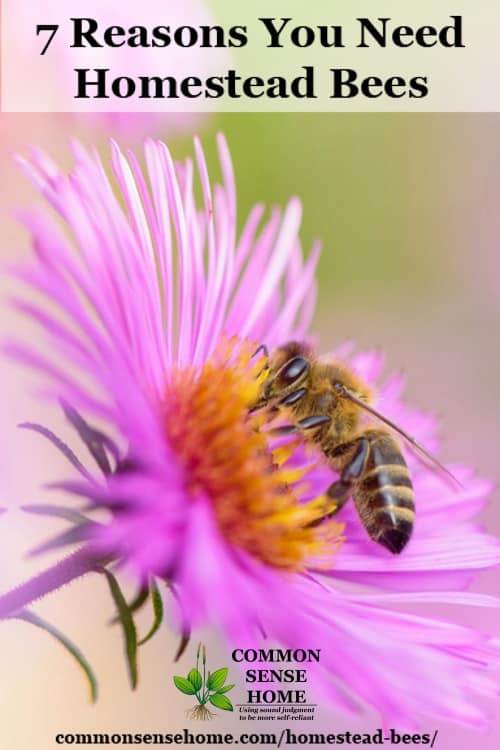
[156,311]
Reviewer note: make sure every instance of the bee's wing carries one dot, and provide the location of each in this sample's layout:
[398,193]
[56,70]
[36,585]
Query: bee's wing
[432,460]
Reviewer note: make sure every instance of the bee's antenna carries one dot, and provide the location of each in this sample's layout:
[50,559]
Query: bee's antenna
[343,391]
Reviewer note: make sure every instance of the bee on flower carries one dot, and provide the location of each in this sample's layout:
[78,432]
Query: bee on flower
[158,310]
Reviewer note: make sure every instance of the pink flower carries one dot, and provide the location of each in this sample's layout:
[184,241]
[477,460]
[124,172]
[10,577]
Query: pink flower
[156,308]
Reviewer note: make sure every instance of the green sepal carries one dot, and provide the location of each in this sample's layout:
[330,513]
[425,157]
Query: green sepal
[217,679]
[56,511]
[184,685]
[221,701]
[183,644]
[34,619]
[128,626]
[157,610]
[97,443]
[137,602]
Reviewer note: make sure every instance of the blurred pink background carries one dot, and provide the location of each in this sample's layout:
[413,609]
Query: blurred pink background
[407,205]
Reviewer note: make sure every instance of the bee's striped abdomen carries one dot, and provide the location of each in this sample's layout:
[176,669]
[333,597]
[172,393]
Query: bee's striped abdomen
[384,493]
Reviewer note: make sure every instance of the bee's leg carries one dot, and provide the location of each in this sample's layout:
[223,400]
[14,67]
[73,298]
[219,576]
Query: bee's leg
[265,351]
[308,423]
[262,348]
[293,397]
[340,490]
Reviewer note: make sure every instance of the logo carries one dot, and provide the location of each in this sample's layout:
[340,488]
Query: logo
[206,687]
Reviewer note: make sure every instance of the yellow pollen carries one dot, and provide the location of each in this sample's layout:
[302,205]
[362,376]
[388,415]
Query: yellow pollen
[227,458]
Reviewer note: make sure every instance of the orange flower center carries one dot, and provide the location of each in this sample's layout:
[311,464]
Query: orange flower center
[228,457]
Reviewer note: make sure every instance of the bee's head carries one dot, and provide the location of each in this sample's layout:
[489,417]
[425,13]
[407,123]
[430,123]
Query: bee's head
[289,367]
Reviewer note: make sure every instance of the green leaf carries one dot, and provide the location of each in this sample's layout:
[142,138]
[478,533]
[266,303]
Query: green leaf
[184,685]
[158,613]
[68,645]
[195,679]
[217,679]
[128,626]
[225,689]
[221,701]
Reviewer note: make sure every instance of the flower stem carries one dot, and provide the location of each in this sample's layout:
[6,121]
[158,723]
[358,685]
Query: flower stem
[198,698]
[76,565]
[205,691]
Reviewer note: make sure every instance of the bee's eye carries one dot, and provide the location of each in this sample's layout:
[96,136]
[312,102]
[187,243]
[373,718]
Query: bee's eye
[292,371]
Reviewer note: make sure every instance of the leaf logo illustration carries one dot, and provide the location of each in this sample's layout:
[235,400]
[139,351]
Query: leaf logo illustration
[221,701]
[195,679]
[217,679]
[185,686]
[207,687]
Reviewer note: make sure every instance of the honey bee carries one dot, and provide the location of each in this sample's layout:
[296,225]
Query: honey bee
[326,400]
